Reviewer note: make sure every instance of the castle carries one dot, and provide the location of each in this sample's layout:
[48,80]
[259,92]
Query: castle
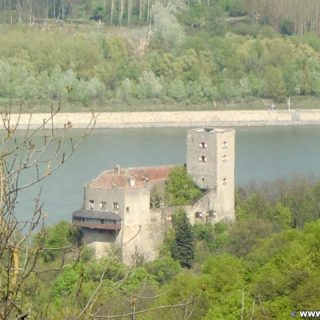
[118,214]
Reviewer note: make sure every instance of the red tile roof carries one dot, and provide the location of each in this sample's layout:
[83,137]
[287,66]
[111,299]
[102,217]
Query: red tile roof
[120,177]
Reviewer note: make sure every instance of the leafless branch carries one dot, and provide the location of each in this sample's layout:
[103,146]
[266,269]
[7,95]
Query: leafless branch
[125,315]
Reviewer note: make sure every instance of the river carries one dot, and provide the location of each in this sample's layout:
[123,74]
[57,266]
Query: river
[262,154]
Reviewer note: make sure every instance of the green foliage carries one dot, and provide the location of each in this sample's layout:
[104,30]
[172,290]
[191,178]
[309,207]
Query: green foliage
[85,67]
[166,25]
[180,189]
[136,279]
[274,85]
[199,15]
[66,282]
[209,239]
[164,268]
[225,281]
[58,237]
[262,260]
[234,7]
[182,248]
[247,233]
[287,27]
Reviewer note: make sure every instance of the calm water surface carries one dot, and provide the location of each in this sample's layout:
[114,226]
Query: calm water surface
[262,153]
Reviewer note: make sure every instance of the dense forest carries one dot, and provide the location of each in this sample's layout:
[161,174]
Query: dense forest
[264,266]
[287,16]
[139,55]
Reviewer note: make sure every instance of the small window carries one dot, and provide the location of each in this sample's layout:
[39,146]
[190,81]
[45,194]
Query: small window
[91,204]
[203,145]
[224,158]
[127,209]
[225,145]
[115,206]
[102,221]
[203,180]
[224,181]
[211,214]
[103,205]
[203,159]
[198,215]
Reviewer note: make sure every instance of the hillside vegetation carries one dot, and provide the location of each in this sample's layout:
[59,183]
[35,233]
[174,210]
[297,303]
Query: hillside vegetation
[146,55]
[263,266]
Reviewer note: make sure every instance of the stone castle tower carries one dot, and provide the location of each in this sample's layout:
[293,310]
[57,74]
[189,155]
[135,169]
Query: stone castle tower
[210,163]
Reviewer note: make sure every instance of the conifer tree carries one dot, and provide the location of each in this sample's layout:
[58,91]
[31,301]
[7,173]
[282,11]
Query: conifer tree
[182,248]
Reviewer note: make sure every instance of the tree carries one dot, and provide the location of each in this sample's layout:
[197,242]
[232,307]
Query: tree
[182,248]
[180,189]
[274,84]
[20,251]
[166,26]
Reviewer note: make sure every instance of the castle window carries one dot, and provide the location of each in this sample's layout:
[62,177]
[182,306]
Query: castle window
[203,159]
[198,215]
[203,145]
[91,204]
[115,206]
[224,181]
[103,205]
[127,209]
[224,158]
[211,214]
[225,145]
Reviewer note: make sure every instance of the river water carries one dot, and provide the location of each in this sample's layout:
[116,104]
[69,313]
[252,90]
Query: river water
[262,154]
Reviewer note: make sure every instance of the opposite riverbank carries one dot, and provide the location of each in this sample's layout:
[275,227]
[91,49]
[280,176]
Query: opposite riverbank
[171,119]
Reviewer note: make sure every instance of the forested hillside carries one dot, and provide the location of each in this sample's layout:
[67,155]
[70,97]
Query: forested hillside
[287,16]
[145,54]
[264,266]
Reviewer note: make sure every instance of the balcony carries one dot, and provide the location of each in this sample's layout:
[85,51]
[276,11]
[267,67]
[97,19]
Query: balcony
[96,220]
[99,226]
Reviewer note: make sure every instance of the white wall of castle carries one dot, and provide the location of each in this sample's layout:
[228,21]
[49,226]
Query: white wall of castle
[225,176]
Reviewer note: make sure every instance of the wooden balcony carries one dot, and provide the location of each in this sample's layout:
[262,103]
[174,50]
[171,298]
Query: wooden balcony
[97,226]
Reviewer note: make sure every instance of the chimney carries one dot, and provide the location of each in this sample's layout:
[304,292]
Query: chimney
[131,181]
[117,169]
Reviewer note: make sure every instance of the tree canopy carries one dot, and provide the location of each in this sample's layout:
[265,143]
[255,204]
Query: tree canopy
[179,188]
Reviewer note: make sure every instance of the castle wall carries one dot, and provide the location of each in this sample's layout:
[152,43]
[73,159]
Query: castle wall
[201,158]
[225,175]
[136,206]
[102,242]
[210,163]
[114,199]
[136,226]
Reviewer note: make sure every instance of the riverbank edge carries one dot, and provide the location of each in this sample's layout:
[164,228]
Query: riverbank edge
[232,118]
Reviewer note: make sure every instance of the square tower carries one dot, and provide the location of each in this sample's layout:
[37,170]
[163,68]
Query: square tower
[210,163]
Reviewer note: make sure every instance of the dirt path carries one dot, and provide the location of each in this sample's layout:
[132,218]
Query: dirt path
[175,119]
